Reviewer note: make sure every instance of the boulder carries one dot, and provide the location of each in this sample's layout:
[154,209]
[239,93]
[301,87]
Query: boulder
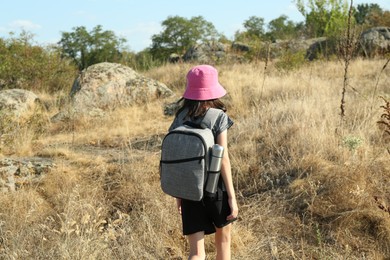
[321,47]
[375,41]
[241,47]
[312,48]
[106,86]
[18,172]
[208,52]
[18,103]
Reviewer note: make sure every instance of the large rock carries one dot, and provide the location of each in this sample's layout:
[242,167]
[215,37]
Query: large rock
[208,52]
[18,172]
[375,41]
[321,47]
[18,103]
[241,47]
[106,86]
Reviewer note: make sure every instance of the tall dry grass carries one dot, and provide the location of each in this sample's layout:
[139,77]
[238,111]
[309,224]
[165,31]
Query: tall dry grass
[307,189]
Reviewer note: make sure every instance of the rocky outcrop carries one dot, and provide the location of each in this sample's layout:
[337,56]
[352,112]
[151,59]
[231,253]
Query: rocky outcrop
[18,172]
[209,52]
[240,46]
[375,41]
[321,47]
[18,103]
[106,86]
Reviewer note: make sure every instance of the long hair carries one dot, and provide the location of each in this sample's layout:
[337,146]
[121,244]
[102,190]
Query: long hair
[198,108]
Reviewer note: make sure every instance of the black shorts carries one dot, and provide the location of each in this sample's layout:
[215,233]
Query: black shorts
[205,215]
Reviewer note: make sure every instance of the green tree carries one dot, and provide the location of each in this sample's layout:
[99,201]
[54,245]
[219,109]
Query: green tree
[254,30]
[324,17]
[282,28]
[87,48]
[254,26]
[363,11]
[179,34]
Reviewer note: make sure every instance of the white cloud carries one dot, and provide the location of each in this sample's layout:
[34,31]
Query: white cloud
[25,25]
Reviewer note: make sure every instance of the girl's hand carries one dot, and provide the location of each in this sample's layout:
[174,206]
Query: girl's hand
[178,204]
[234,209]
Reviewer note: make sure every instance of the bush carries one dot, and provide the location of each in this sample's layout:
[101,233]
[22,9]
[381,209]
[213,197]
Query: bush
[32,67]
[291,60]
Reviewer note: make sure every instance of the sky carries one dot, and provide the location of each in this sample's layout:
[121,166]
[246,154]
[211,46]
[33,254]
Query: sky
[137,20]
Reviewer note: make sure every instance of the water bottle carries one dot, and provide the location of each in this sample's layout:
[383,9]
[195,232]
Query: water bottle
[214,169]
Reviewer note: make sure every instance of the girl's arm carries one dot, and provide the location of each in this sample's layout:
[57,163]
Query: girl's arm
[226,174]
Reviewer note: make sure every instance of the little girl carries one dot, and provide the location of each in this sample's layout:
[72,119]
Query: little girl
[211,215]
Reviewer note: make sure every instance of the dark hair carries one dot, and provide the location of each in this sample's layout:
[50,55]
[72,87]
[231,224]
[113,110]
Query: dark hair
[198,108]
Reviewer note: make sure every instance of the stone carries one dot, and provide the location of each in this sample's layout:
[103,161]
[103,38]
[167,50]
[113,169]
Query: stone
[106,86]
[18,172]
[208,52]
[375,41]
[240,46]
[18,103]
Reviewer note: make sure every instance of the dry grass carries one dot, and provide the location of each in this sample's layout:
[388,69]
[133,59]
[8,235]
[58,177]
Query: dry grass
[307,188]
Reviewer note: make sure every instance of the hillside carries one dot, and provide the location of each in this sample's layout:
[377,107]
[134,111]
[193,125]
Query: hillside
[310,184]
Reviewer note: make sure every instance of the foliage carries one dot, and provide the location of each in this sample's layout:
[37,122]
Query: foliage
[254,30]
[371,15]
[282,29]
[88,48]
[179,34]
[323,17]
[352,142]
[255,26]
[363,11]
[140,61]
[379,19]
[28,66]
[290,60]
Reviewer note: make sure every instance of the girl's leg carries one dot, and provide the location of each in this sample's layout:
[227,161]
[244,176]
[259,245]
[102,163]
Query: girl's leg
[197,250]
[222,242]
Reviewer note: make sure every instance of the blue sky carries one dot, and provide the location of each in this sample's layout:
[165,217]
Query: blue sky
[136,20]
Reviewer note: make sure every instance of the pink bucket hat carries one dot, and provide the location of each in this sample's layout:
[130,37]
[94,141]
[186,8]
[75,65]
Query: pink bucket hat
[202,84]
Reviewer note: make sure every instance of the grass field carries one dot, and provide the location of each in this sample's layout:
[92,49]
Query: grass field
[310,184]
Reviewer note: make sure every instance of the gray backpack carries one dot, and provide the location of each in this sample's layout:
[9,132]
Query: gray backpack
[185,155]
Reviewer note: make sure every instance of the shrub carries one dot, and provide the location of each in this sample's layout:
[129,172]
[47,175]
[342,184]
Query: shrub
[32,67]
[291,60]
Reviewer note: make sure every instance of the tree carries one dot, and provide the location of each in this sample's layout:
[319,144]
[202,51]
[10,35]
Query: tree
[282,28]
[324,17]
[87,48]
[254,30]
[380,20]
[254,26]
[364,11]
[180,34]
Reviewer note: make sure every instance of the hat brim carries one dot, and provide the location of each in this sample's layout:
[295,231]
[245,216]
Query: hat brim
[205,94]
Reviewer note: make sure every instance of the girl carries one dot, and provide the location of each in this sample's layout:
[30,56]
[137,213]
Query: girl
[211,215]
